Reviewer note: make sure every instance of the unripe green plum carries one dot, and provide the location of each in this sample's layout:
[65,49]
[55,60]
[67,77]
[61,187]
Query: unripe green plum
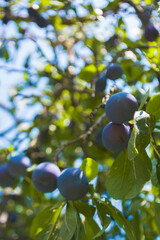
[6,180]
[120,107]
[18,164]
[115,137]
[73,184]
[45,176]
[114,71]
[151,33]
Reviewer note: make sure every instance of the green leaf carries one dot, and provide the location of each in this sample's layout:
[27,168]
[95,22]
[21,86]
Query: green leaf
[120,220]
[158,172]
[58,22]
[148,2]
[4,152]
[92,228]
[100,233]
[137,225]
[153,106]
[126,178]
[154,175]
[140,173]
[53,232]
[132,150]
[118,217]
[41,220]
[90,167]
[157,214]
[84,208]
[4,52]
[88,72]
[144,99]
[29,189]
[44,218]
[80,231]
[91,189]
[119,180]
[112,5]
[141,125]
[69,224]
[101,210]
[136,204]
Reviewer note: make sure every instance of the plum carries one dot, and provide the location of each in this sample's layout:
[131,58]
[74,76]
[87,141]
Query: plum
[12,217]
[45,176]
[101,83]
[114,71]
[73,184]
[98,139]
[151,33]
[115,137]
[6,180]
[120,107]
[113,41]
[18,164]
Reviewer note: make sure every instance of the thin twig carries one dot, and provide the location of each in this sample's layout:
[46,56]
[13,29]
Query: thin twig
[114,89]
[91,129]
[101,105]
[8,130]
[81,137]
[13,69]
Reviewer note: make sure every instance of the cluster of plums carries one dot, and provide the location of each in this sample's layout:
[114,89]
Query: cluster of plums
[72,182]
[46,177]
[120,109]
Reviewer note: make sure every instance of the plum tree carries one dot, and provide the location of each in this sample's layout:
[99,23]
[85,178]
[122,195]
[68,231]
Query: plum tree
[45,176]
[114,71]
[73,183]
[18,164]
[115,137]
[150,33]
[101,83]
[121,107]
[6,180]
[64,60]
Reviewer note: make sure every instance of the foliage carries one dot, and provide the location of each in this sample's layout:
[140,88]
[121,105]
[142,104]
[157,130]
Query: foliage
[64,48]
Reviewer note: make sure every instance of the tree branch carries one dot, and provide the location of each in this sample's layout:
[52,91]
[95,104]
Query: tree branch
[142,13]
[114,89]
[81,137]
[8,130]
[91,129]
[13,69]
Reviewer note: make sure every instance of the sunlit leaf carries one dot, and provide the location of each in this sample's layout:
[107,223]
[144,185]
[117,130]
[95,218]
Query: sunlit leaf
[90,167]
